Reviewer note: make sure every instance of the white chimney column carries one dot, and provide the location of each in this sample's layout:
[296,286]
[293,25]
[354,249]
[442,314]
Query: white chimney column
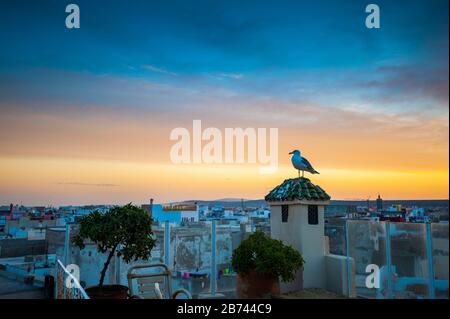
[297,218]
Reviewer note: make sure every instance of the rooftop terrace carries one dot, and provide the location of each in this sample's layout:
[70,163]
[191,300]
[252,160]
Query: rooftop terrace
[12,287]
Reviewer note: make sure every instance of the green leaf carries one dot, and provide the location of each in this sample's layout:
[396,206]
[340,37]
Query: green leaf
[265,255]
[125,230]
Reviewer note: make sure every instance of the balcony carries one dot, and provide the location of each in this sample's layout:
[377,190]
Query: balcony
[412,259]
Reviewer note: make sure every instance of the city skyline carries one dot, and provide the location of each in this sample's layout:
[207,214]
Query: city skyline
[87,113]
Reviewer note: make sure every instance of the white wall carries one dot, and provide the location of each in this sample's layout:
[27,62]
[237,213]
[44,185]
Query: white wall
[189,215]
[309,240]
[336,272]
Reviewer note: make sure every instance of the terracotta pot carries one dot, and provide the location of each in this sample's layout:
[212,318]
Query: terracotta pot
[257,285]
[108,292]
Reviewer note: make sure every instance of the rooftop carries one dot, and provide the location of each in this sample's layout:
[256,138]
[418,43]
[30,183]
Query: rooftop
[297,189]
[12,288]
[181,207]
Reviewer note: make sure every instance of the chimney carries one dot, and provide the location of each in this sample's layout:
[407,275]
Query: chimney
[297,218]
[151,207]
[10,215]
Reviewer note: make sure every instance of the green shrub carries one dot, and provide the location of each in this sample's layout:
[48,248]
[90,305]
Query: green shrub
[266,256]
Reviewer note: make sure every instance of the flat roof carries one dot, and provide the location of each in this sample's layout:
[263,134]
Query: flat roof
[13,288]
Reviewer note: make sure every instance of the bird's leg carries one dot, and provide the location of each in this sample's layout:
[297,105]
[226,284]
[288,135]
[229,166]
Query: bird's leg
[303,173]
[298,173]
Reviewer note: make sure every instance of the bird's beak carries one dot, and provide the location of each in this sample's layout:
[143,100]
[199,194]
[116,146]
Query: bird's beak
[291,152]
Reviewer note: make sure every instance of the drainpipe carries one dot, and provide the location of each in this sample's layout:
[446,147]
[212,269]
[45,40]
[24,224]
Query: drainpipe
[151,207]
[11,208]
[389,260]
[431,287]
[66,244]
[347,252]
[167,243]
[213,279]
[66,256]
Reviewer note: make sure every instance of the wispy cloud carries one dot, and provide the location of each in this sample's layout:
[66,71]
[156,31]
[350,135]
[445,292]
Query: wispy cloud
[156,69]
[87,184]
[235,76]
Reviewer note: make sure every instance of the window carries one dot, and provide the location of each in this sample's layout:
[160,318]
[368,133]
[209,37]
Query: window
[284,213]
[313,215]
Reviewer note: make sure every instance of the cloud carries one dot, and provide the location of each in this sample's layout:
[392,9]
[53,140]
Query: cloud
[82,115]
[235,76]
[153,68]
[87,184]
[411,83]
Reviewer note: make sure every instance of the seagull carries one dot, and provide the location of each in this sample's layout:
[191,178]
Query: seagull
[301,163]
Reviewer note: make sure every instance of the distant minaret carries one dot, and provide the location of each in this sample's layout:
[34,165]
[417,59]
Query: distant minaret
[379,204]
[151,207]
[11,209]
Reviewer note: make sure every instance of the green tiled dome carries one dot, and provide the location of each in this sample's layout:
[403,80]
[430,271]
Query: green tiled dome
[297,189]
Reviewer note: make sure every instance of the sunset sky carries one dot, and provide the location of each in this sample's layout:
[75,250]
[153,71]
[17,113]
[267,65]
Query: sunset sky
[86,113]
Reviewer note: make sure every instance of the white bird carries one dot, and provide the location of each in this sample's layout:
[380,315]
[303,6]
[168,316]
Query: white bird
[158,292]
[301,163]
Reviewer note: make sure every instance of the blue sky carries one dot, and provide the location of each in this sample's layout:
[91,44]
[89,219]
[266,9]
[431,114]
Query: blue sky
[194,37]
[250,47]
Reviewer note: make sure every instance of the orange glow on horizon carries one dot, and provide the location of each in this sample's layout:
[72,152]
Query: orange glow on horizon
[108,157]
[67,181]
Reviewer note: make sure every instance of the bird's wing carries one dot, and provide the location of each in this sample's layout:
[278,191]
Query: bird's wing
[307,164]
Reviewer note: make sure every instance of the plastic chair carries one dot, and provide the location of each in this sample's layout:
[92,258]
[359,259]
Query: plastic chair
[153,285]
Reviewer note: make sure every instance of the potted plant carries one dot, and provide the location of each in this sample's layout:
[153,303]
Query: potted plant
[260,261]
[122,231]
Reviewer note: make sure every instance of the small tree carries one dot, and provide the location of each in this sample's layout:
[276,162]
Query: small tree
[122,231]
[265,255]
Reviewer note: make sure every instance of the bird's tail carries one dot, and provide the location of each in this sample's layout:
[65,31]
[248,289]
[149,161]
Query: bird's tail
[316,172]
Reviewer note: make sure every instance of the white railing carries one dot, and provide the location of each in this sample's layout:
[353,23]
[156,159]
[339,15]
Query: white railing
[67,285]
